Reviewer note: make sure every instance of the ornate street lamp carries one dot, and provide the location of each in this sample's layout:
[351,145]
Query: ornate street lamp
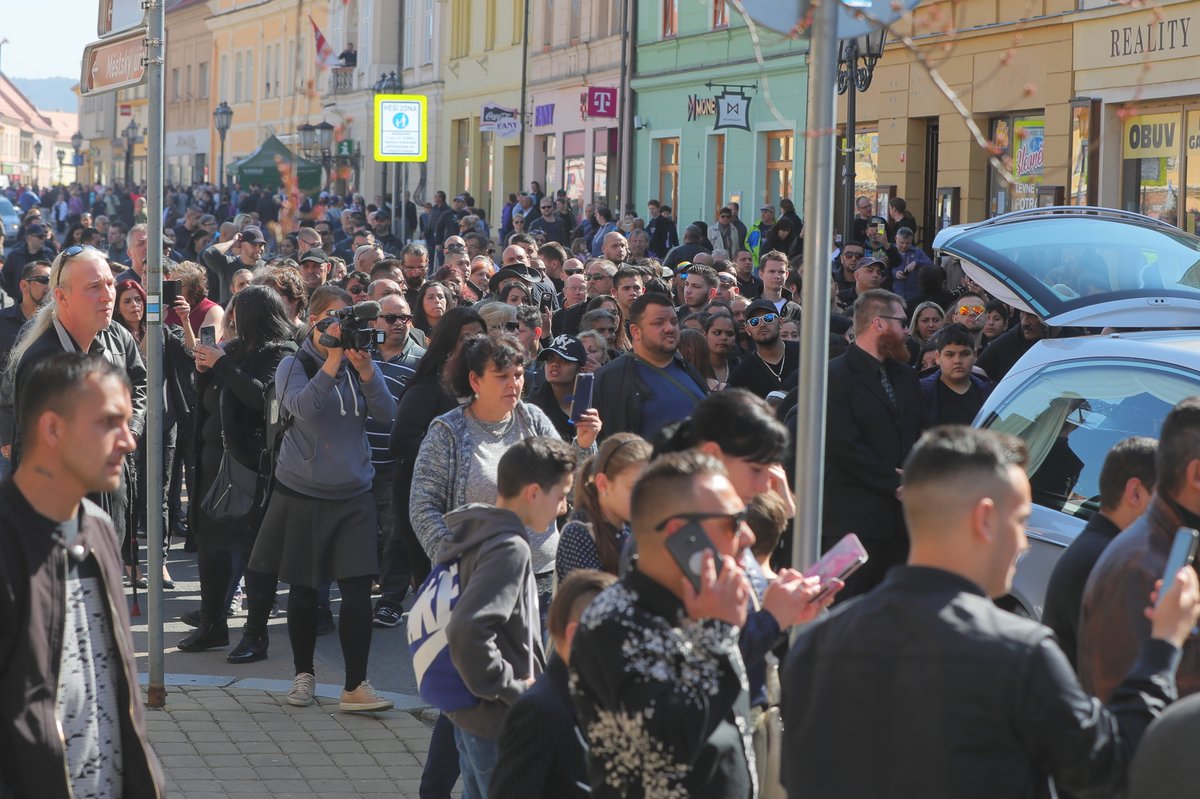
[222,119]
[77,144]
[856,66]
[131,136]
[324,133]
[61,155]
[307,135]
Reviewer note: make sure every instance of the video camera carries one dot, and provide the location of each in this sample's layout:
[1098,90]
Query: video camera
[357,332]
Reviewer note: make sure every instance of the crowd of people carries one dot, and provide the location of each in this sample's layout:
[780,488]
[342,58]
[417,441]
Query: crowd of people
[402,405]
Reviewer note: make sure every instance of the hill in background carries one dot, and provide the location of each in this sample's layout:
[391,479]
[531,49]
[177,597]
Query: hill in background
[49,94]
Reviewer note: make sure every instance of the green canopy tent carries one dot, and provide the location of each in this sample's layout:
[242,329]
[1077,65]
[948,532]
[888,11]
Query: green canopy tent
[260,167]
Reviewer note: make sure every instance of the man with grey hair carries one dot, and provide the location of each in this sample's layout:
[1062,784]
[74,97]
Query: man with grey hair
[366,257]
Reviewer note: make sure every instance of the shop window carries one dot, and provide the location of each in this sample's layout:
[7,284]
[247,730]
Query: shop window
[1085,133]
[1192,185]
[780,165]
[670,18]
[720,15]
[1020,139]
[718,173]
[1150,165]
[550,161]
[604,146]
[668,173]
[866,166]
[574,165]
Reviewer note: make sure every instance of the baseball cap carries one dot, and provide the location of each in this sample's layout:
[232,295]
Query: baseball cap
[566,347]
[462,198]
[35,229]
[509,273]
[253,235]
[875,263]
[314,255]
[877,221]
[760,306]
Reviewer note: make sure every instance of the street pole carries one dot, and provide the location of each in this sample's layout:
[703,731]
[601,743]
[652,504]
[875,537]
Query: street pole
[156,694]
[400,188]
[814,322]
[851,57]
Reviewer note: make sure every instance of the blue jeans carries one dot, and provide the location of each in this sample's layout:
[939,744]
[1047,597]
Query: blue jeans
[477,760]
[441,764]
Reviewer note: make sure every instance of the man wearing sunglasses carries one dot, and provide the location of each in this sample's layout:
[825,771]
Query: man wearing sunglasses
[397,357]
[773,365]
[35,249]
[35,289]
[845,264]
[549,224]
[969,312]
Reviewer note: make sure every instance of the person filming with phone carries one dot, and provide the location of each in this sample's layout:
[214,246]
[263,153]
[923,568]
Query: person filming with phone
[965,699]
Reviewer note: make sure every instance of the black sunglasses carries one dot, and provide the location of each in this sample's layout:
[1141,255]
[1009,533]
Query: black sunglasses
[736,518]
[512,327]
[597,276]
[43,279]
[570,272]
[67,255]
[393,318]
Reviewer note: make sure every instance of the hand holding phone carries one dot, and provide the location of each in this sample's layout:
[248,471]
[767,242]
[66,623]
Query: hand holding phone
[843,559]
[1177,604]
[724,591]
[1183,553]
[208,336]
[582,400]
[170,292]
[687,546]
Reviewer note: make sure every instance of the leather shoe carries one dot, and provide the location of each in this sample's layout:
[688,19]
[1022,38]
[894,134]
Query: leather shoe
[206,636]
[252,648]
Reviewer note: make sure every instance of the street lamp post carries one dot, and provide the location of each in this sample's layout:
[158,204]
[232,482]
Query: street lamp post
[222,118]
[131,136]
[61,155]
[854,77]
[77,145]
[37,160]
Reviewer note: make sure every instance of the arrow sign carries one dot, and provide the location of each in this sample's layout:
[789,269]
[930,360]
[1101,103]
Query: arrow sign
[118,16]
[114,63]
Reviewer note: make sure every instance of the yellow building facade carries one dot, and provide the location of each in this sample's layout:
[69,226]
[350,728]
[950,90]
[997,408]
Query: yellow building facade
[187,95]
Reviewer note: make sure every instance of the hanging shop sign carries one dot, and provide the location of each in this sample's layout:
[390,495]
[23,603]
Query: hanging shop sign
[733,111]
[504,122]
[601,101]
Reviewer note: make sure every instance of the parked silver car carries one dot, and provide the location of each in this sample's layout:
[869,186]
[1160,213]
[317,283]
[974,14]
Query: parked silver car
[1072,399]
[9,220]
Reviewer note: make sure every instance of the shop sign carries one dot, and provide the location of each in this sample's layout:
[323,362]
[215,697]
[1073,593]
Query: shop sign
[700,107]
[543,115]
[1030,158]
[733,111]
[504,122]
[601,101]
[1165,34]
[1135,37]
[1152,136]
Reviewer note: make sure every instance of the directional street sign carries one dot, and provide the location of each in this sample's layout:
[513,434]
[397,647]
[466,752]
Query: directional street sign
[401,127]
[118,16]
[114,63]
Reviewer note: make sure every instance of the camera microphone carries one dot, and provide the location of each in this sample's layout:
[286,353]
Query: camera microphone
[366,311]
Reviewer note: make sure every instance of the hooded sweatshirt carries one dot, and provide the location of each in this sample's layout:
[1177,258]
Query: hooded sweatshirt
[325,452]
[494,634]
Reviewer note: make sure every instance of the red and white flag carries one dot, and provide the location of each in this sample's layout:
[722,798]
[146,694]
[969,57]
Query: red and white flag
[326,58]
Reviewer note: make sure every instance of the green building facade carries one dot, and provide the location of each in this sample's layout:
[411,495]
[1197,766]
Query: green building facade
[689,54]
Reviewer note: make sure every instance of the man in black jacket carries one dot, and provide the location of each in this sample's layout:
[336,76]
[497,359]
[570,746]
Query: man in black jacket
[874,419]
[652,386]
[542,751]
[940,694]
[35,289]
[69,701]
[35,249]
[1003,353]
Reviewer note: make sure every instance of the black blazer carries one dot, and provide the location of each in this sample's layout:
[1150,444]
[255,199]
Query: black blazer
[541,748]
[866,441]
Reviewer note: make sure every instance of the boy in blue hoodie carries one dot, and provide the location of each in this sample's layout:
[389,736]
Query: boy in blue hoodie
[494,635]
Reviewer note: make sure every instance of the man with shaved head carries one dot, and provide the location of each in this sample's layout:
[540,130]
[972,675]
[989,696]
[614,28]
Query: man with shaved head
[615,248]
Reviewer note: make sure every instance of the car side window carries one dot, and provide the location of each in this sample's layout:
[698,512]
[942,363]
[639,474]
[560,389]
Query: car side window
[1070,415]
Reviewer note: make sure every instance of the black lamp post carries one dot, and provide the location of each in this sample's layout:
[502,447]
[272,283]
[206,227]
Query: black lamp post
[222,119]
[61,155]
[37,159]
[131,136]
[856,66]
[77,145]
[316,141]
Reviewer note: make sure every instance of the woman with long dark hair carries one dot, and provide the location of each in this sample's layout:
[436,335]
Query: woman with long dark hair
[594,537]
[232,383]
[433,301]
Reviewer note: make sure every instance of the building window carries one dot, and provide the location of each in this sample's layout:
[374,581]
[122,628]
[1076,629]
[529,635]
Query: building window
[223,78]
[718,174]
[780,164]
[604,147]
[267,73]
[668,172]
[249,91]
[1018,140]
[547,24]
[278,59]
[1150,156]
[574,21]
[518,21]
[720,14]
[460,29]
[237,78]
[409,37]
[175,85]
[1192,182]
[604,13]
[670,19]
[427,28]
[549,161]
[462,161]
[489,26]
[187,83]
[202,85]
[574,165]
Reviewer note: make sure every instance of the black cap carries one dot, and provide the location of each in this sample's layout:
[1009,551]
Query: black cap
[314,254]
[566,347]
[510,273]
[765,306]
[877,221]
[253,235]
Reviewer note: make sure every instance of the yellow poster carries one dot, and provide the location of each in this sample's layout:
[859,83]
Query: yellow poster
[1152,136]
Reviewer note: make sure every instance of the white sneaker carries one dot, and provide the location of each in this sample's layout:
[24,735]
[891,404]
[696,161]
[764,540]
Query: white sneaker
[362,698]
[303,688]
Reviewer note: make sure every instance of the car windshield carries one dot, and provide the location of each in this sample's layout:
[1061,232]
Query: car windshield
[1071,415]
[1056,263]
[6,207]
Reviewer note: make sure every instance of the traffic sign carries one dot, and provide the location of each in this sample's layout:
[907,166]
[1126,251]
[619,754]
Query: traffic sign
[118,16]
[114,63]
[401,127]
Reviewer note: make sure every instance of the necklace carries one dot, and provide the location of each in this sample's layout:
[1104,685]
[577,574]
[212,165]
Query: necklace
[497,429]
[778,374]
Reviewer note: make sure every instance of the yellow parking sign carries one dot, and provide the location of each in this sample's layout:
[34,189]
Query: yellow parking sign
[401,127]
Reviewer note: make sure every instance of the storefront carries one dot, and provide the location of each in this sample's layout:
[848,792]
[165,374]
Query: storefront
[574,135]
[186,157]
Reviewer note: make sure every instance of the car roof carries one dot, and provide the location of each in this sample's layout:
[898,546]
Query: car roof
[1177,347]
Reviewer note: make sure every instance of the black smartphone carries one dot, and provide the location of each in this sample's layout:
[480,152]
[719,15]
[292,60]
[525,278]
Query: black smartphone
[208,336]
[582,401]
[1183,552]
[170,293]
[687,546]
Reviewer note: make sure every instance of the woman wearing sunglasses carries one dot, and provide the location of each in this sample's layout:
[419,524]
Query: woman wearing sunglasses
[355,284]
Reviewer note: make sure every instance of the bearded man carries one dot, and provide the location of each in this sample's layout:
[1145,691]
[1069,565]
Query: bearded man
[874,420]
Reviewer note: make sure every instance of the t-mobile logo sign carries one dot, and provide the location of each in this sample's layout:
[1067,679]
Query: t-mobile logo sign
[602,102]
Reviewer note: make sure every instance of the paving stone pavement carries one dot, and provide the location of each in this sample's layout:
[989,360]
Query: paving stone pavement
[227,741]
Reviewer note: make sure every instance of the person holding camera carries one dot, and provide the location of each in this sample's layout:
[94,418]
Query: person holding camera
[320,524]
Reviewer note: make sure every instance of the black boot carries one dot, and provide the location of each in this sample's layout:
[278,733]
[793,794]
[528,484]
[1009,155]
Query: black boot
[251,648]
[208,635]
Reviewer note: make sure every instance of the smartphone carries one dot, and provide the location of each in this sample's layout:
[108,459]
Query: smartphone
[582,400]
[1183,552]
[208,336]
[687,546]
[843,559]
[170,293]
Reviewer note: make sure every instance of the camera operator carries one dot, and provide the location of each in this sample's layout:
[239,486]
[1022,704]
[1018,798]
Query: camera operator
[320,524]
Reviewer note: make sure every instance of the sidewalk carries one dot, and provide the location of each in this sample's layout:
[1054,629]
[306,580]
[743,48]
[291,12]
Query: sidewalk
[232,739]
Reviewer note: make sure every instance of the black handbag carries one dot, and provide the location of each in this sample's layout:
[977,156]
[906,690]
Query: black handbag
[233,499]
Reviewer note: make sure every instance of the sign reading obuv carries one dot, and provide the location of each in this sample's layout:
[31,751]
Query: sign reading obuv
[401,127]
[114,63]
